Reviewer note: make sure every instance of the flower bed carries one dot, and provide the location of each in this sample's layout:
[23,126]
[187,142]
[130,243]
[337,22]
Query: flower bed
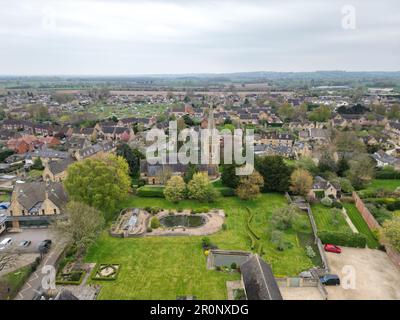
[73,277]
[106,272]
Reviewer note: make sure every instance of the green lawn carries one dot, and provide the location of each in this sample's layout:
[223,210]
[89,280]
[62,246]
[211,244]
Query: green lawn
[164,267]
[361,225]
[5,197]
[324,219]
[15,280]
[389,184]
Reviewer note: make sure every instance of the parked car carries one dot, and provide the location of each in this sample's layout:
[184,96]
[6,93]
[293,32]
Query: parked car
[330,280]
[25,243]
[5,243]
[332,248]
[305,275]
[44,246]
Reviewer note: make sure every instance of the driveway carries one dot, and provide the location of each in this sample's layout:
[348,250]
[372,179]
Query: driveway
[27,254]
[36,235]
[376,277]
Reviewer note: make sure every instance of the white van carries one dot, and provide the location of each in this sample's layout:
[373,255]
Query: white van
[6,242]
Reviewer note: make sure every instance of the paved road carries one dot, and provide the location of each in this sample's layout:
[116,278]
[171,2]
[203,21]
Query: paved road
[34,283]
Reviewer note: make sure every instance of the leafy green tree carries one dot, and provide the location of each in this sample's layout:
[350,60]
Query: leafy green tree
[301,182]
[284,218]
[82,226]
[326,162]
[249,186]
[101,182]
[200,188]
[275,171]
[5,153]
[286,111]
[320,114]
[362,171]
[37,164]
[132,157]
[229,178]
[347,141]
[308,164]
[391,232]
[342,166]
[175,189]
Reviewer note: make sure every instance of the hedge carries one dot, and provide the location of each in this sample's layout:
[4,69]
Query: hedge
[72,282]
[152,192]
[226,191]
[93,275]
[387,174]
[347,239]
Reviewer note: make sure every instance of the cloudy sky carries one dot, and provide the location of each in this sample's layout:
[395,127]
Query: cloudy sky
[122,37]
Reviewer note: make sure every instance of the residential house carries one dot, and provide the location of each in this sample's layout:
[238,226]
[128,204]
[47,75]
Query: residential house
[56,170]
[323,188]
[383,159]
[35,201]
[276,139]
[100,148]
[154,173]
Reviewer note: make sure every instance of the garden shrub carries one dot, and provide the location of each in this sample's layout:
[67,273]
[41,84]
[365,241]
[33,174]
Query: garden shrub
[310,252]
[327,202]
[347,239]
[154,223]
[226,191]
[224,226]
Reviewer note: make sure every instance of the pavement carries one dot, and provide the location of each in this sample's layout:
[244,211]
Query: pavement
[34,284]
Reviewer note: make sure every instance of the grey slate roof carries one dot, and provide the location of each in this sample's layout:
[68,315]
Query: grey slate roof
[59,166]
[29,195]
[259,281]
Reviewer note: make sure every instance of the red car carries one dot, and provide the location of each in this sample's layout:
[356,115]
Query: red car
[332,248]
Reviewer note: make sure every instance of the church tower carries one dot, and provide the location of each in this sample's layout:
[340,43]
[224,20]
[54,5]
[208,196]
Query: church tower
[214,143]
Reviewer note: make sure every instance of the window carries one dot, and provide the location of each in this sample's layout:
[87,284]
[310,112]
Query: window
[42,211]
[23,212]
[55,211]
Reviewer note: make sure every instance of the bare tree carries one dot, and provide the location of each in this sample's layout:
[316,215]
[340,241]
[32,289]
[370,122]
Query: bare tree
[8,259]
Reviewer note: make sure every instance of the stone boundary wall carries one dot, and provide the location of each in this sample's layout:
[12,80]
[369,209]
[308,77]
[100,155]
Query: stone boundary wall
[365,213]
[369,219]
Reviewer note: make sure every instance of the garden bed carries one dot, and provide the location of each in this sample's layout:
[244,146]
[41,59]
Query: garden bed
[107,272]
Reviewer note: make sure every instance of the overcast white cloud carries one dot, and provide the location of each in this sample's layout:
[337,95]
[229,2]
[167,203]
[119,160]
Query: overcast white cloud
[185,36]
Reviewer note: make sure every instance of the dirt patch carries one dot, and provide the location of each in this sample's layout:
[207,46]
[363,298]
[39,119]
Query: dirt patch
[376,278]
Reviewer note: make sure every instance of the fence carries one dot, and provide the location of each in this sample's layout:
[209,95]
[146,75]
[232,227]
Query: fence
[369,219]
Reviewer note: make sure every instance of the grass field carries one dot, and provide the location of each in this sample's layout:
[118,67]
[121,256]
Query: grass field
[165,267]
[361,225]
[389,184]
[324,219]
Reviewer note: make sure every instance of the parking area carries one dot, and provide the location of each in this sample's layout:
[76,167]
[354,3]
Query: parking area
[27,254]
[300,293]
[376,277]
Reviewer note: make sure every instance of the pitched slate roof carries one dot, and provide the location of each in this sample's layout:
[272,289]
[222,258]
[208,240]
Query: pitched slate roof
[59,166]
[29,195]
[259,281]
